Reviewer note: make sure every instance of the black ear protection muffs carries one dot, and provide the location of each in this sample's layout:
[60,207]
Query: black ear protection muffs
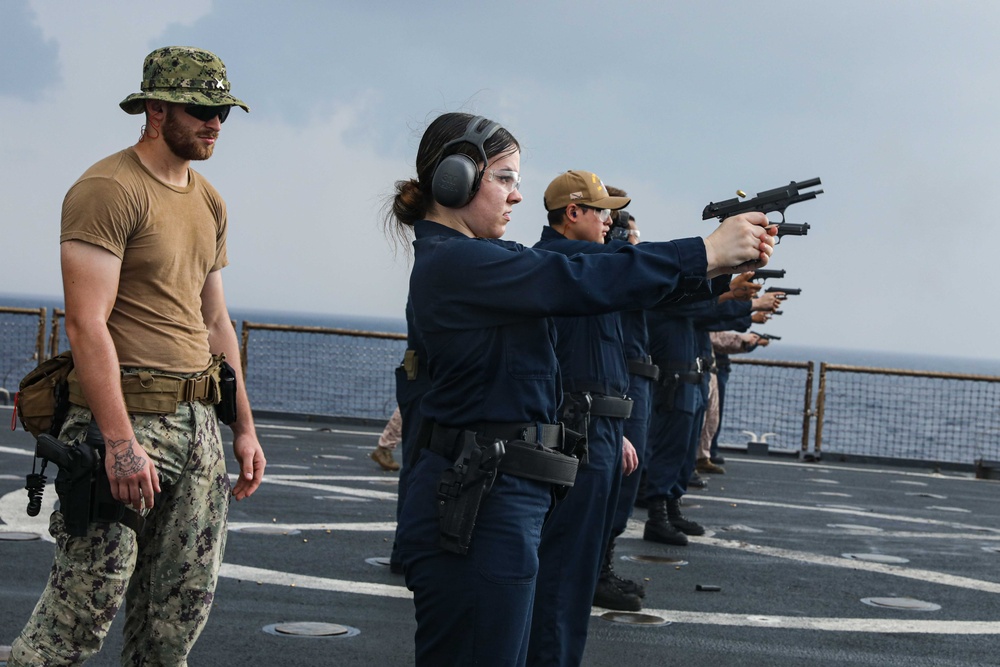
[457,177]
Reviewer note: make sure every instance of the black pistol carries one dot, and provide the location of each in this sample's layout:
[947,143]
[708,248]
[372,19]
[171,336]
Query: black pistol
[765,274]
[768,201]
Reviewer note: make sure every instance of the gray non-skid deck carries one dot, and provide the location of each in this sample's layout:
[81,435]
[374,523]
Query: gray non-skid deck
[790,545]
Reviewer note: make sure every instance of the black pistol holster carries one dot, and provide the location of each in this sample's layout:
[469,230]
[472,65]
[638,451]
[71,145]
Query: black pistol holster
[575,414]
[462,489]
[82,483]
[225,409]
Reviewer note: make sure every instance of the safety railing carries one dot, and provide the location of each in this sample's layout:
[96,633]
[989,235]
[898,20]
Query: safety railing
[321,371]
[904,414]
[768,405]
[859,411]
[22,332]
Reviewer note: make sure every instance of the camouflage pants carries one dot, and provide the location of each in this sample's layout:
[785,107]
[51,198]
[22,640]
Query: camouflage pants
[166,576]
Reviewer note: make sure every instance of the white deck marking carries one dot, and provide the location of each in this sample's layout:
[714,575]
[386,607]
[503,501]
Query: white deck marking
[369,527]
[866,625]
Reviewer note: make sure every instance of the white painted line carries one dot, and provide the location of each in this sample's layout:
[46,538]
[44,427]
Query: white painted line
[867,515]
[344,490]
[866,625]
[948,509]
[16,520]
[371,527]
[315,429]
[928,576]
[332,478]
[819,467]
[263,576]
[15,450]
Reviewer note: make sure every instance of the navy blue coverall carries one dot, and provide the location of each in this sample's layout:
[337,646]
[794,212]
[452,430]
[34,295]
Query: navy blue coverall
[483,308]
[637,425]
[592,360]
[411,385]
[677,344]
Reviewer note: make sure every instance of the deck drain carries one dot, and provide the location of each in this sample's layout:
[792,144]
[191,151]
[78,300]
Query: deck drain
[662,560]
[269,530]
[909,604]
[632,618]
[878,558]
[19,537]
[311,629]
[378,560]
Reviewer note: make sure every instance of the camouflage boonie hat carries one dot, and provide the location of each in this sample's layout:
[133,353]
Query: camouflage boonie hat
[185,75]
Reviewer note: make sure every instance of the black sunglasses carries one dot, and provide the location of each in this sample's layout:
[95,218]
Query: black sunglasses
[205,113]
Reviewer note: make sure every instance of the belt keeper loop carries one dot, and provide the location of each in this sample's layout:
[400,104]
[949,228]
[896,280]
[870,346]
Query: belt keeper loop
[145,379]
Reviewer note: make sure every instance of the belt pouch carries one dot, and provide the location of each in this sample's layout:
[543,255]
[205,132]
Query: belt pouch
[146,393]
[226,407]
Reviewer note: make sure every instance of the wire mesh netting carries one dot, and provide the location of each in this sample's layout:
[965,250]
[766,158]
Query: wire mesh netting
[909,414]
[860,411]
[765,401]
[309,370]
[22,336]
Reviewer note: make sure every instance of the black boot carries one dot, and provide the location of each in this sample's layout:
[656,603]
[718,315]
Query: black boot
[608,572]
[679,521]
[609,596]
[658,526]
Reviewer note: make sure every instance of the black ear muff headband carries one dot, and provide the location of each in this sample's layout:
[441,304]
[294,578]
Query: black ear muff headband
[457,177]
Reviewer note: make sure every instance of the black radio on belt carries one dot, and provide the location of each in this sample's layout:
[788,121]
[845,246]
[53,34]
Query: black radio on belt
[226,407]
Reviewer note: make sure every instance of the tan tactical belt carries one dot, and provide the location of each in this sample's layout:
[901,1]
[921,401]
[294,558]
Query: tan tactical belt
[150,392]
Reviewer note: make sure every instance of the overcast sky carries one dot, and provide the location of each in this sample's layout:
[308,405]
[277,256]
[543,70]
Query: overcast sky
[893,104]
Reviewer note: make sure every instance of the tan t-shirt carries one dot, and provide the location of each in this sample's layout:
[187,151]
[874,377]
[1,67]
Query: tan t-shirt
[169,239]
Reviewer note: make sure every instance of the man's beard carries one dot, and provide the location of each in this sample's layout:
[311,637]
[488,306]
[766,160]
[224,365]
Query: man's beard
[182,142]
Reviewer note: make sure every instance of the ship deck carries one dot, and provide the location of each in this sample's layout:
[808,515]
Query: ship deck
[817,563]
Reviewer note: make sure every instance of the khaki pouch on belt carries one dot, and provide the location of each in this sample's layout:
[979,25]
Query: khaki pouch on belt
[40,394]
[147,392]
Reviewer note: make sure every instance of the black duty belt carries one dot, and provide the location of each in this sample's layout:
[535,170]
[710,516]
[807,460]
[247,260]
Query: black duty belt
[644,368]
[610,406]
[530,450]
[690,372]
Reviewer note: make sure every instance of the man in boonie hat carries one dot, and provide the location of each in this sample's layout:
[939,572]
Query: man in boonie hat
[143,242]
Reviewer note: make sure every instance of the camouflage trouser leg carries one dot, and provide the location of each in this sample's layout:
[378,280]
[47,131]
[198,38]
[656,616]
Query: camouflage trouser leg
[167,576]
